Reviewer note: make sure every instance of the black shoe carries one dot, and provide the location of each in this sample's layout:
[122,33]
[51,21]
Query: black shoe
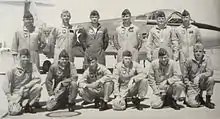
[85,103]
[174,105]
[136,101]
[201,100]
[29,109]
[208,102]
[37,105]
[126,103]
[71,107]
[104,106]
[97,103]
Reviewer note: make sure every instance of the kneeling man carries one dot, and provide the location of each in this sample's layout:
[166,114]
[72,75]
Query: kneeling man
[96,83]
[22,85]
[61,83]
[130,80]
[165,80]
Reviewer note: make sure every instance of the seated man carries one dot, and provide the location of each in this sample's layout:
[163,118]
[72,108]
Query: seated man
[198,76]
[96,83]
[130,80]
[22,85]
[164,79]
[64,90]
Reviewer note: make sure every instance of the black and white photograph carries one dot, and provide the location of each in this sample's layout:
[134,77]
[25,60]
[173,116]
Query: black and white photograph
[106,59]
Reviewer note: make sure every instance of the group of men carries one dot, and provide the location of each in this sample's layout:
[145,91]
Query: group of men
[178,64]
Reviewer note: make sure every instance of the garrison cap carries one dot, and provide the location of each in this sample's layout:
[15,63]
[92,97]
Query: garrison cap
[64,54]
[126,53]
[160,14]
[125,12]
[94,13]
[162,52]
[185,13]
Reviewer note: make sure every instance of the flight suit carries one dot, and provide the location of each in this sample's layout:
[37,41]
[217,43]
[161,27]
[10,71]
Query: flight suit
[161,38]
[63,38]
[199,76]
[16,78]
[105,79]
[127,38]
[164,81]
[187,38]
[33,41]
[65,85]
[124,75]
[96,43]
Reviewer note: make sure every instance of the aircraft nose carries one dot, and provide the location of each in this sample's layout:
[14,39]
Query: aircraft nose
[210,38]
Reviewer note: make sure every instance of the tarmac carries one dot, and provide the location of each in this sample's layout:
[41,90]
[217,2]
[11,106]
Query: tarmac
[130,112]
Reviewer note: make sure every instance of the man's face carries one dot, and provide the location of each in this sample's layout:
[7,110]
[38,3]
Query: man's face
[28,22]
[93,64]
[24,59]
[198,54]
[63,61]
[126,18]
[186,20]
[127,60]
[164,59]
[94,19]
[66,17]
[161,20]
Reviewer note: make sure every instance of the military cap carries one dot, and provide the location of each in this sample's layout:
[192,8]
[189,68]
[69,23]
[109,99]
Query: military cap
[185,13]
[94,13]
[27,15]
[24,52]
[162,52]
[160,14]
[127,53]
[125,12]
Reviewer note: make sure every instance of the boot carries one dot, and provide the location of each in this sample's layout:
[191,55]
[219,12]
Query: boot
[126,103]
[136,101]
[104,106]
[174,105]
[71,107]
[208,103]
[201,100]
[37,105]
[97,101]
[29,109]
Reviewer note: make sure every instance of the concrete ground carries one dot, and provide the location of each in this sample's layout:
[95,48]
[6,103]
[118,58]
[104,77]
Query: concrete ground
[130,113]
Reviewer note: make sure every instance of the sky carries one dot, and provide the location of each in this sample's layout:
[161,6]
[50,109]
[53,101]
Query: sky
[205,11]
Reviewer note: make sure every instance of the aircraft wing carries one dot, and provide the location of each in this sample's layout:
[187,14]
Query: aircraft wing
[21,2]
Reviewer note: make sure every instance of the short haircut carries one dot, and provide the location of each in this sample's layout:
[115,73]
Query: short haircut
[25,52]
[162,52]
[198,46]
[160,14]
[127,53]
[125,12]
[185,13]
[65,11]
[64,54]
[94,13]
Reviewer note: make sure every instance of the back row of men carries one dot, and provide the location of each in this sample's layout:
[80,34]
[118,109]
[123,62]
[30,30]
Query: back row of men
[173,69]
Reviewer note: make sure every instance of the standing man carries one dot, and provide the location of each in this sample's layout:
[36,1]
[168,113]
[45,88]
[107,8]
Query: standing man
[187,35]
[22,85]
[97,39]
[127,37]
[165,80]
[63,37]
[64,90]
[130,80]
[96,83]
[160,36]
[199,75]
[29,38]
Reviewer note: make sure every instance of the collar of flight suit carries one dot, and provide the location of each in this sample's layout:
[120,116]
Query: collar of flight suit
[131,26]
[63,68]
[190,25]
[67,27]
[160,65]
[26,30]
[91,27]
[157,27]
[204,58]
[130,65]
[28,69]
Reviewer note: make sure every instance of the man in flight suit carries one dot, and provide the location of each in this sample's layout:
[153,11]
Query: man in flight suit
[127,37]
[96,83]
[161,36]
[29,38]
[165,80]
[97,39]
[130,80]
[64,89]
[22,85]
[199,76]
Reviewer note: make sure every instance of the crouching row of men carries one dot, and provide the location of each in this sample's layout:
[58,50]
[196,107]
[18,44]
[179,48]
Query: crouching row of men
[22,85]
